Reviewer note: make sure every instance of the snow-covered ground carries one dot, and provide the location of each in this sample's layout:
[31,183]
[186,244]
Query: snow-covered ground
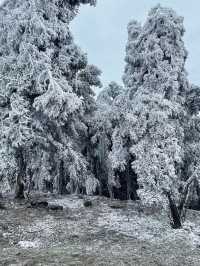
[147,228]
[97,235]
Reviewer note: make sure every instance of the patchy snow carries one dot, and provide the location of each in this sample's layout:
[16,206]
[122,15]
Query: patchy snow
[29,244]
[99,232]
[132,226]
[71,203]
[45,227]
[193,233]
[148,228]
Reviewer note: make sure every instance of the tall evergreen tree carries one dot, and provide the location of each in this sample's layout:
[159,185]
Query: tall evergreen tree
[101,128]
[192,146]
[157,84]
[46,93]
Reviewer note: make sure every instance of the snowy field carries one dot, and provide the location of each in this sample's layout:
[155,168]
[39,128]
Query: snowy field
[97,235]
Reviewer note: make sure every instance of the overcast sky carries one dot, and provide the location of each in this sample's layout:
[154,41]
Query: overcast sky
[1,2]
[101,32]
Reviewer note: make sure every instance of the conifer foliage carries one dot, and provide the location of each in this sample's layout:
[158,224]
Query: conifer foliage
[157,84]
[45,88]
[140,141]
[149,125]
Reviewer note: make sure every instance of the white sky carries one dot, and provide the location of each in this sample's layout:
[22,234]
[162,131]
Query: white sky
[101,32]
[1,2]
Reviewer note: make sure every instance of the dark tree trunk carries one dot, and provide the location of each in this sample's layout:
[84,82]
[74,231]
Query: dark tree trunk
[19,189]
[102,175]
[132,185]
[61,180]
[48,186]
[128,184]
[175,215]
[198,192]
[184,196]
[194,196]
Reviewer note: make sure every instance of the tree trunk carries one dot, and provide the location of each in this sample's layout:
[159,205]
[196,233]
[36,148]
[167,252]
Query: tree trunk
[128,183]
[19,189]
[198,192]
[110,190]
[184,197]
[175,215]
[61,180]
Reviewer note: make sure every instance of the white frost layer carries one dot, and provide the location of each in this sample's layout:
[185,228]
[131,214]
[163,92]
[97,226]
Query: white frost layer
[72,203]
[150,229]
[29,244]
[45,226]
[143,228]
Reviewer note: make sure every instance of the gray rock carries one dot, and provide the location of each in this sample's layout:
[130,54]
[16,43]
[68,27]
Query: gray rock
[55,207]
[39,204]
[87,203]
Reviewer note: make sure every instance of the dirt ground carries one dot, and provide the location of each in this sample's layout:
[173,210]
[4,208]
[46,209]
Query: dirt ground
[106,233]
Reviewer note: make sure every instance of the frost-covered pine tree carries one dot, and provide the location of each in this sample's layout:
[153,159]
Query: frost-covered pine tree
[108,94]
[101,127]
[46,94]
[192,146]
[153,126]
[124,181]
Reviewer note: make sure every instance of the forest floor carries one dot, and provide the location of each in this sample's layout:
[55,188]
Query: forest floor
[106,233]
